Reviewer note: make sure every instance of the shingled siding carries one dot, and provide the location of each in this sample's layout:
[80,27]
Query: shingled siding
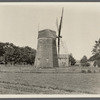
[46,53]
[54,49]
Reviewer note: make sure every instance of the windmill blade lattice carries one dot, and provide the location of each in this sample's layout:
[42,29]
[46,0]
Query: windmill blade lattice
[59,31]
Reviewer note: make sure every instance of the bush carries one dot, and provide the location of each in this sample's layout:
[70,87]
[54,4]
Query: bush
[97,62]
[89,71]
[86,71]
[82,64]
[76,64]
[83,71]
[85,64]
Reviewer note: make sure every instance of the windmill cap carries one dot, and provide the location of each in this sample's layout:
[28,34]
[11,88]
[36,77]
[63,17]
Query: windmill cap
[47,33]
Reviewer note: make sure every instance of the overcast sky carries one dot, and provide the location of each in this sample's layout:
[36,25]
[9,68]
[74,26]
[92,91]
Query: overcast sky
[20,22]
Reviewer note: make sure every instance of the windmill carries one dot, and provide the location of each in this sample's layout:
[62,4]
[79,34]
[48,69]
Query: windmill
[46,55]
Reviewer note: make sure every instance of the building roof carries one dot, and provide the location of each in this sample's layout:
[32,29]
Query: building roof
[47,33]
[63,56]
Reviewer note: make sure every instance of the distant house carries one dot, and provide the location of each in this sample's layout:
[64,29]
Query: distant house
[91,63]
[77,63]
[63,60]
[94,63]
[94,60]
[97,63]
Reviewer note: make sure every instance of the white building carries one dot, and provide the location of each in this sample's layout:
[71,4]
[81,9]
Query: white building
[63,60]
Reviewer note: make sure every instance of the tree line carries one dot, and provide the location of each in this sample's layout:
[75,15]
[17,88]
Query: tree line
[95,55]
[9,53]
[72,60]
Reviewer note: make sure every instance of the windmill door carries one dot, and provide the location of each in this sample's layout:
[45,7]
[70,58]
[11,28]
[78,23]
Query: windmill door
[38,62]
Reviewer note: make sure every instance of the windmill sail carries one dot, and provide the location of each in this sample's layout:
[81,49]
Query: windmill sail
[57,25]
[59,31]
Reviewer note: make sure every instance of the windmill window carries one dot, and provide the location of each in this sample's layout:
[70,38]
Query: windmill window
[47,60]
[38,58]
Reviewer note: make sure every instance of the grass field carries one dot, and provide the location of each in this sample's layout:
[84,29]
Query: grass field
[24,80]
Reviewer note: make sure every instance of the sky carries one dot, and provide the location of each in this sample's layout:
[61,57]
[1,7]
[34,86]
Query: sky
[20,22]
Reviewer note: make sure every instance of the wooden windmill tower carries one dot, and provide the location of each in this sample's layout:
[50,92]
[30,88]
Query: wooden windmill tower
[46,55]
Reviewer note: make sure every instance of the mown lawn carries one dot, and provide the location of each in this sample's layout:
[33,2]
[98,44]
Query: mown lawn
[23,80]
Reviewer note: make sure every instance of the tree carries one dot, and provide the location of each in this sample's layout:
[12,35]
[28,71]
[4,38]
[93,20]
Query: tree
[28,55]
[96,48]
[2,49]
[84,61]
[72,60]
[16,55]
[96,53]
